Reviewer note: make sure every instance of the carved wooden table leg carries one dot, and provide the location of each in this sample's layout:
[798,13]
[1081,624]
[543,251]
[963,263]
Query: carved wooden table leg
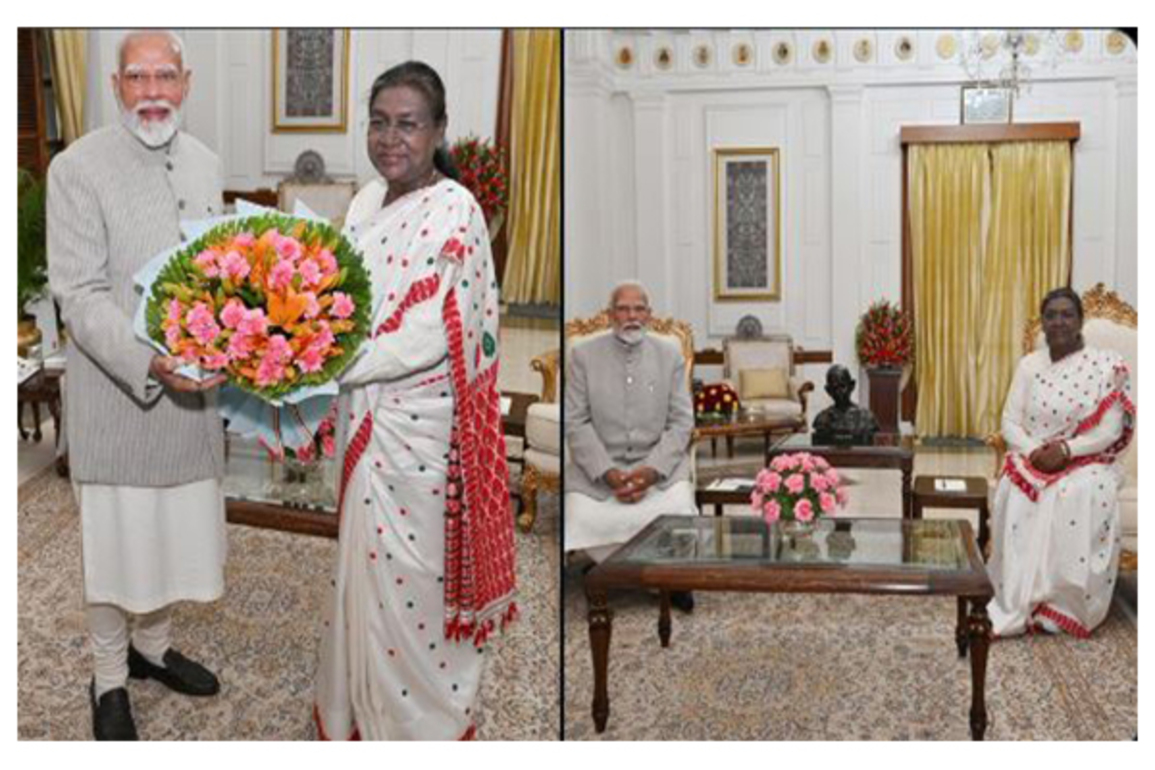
[600,624]
[984,529]
[961,631]
[529,485]
[907,470]
[664,618]
[730,447]
[979,628]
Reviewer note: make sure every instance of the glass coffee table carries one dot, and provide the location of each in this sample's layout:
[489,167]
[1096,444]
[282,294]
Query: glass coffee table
[838,555]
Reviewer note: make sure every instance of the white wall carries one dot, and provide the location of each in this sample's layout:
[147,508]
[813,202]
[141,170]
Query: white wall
[230,104]
[638,177]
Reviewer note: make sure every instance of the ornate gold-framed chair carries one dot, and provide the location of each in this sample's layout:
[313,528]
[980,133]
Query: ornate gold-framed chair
[543,420]
[761,371]
[1108,323]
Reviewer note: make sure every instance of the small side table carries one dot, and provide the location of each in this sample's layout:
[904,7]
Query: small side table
[41,388]
[974,497]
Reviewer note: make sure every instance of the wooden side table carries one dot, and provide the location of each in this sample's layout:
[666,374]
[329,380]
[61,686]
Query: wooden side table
[41,388]
[974,497]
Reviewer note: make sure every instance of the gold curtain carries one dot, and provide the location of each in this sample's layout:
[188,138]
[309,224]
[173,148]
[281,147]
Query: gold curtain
[533,274]
[69,58]
[989,234]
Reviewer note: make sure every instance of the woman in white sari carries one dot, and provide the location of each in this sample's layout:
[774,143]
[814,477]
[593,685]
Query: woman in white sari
[425,568]
[1068,418]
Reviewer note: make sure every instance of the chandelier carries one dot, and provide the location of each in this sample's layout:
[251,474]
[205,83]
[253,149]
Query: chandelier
[1006,59]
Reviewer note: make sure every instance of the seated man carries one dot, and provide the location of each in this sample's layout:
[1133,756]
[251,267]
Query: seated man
[628,423]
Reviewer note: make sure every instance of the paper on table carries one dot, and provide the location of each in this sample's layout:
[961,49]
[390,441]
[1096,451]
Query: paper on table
[950,485]
[730,485]
[506,405]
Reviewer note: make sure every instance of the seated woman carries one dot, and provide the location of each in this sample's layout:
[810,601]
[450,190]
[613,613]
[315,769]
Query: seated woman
[1068,418]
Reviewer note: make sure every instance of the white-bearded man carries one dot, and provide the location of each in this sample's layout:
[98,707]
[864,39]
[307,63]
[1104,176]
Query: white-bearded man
[628,424]
[146,445]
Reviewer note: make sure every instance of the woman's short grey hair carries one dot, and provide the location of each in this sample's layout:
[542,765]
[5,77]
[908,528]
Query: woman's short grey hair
[173,40]
[630,283]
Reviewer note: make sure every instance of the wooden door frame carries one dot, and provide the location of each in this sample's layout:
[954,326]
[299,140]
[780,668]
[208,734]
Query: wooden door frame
[987,134]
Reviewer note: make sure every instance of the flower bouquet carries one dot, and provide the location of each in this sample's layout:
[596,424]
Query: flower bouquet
[884,337]
[715,403]
[797,488]
[482,168]
[275,302]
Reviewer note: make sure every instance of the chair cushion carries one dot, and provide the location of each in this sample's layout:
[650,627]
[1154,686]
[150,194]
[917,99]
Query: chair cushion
[757,383]
[543,428]
[547,463]
[775,407]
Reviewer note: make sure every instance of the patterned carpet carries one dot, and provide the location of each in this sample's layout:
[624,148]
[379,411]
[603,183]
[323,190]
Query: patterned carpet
[825,667]
[261,638]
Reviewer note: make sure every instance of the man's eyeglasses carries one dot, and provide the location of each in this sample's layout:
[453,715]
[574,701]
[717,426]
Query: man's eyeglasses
[165,78]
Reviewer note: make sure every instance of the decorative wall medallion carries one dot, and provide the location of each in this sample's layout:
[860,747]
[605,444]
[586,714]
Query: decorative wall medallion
[863,50]
[1073,41]
[1031,44]
[946,46]
[783,52]
[702,55]
[743,54]
[822,51]
[904,48]
[664,58]
[1116,43]
[625,57]
[990,44]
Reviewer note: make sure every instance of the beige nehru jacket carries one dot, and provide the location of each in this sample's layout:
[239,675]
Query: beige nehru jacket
[113,204]
[625,406]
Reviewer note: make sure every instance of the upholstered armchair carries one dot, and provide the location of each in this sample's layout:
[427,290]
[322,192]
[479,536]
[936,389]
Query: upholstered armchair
[542,467]
[761,370]
[1108,323]
[543,421]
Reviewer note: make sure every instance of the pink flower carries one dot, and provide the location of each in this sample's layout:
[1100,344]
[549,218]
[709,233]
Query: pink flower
[270,371]
[820,463]
[311,359]
[244,240]
[313,307]
[172,336]
[803,510]
[342,306]
[279,349]
[288,248]
[175,310]
[207,262]
[202,325]
[306,453]
[757,498]
[772,511]
[819,482]
[328,446]
[214,360]
[840,494]
[254,322]
[795,483]
[189,355]
[826,502]
[241,346]
[236,266]
[780,463]
[233,313]
[328,262]
[772,482]
[281,276]
[807,462]
[310,272]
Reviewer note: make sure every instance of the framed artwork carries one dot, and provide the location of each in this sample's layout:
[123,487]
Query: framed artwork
[986,104]
[310,80]
[747,224]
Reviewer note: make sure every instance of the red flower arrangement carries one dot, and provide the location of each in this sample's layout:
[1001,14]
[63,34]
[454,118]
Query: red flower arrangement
[885,337]
[718,400]
[482,167]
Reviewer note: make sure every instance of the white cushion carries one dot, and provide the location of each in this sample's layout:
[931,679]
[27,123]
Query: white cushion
[775,407]
[543,462]
[543,428]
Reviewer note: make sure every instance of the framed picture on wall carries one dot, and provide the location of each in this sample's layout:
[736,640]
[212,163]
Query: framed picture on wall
[987,104]
[747,224]
[310,80]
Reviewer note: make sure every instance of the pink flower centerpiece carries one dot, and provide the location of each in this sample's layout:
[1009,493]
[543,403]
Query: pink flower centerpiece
[797,488]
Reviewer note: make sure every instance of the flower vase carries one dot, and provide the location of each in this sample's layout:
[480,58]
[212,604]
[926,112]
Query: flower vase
[300,481]
[795,528]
